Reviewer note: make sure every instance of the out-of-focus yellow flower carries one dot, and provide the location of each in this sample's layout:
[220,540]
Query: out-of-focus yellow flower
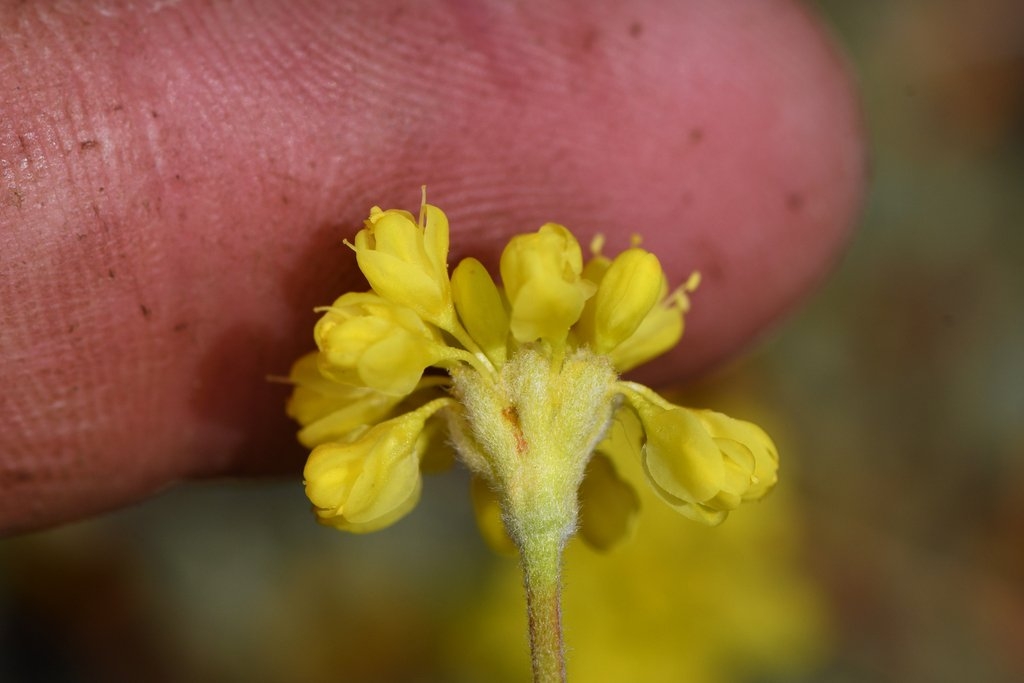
[725,605]
[531,368]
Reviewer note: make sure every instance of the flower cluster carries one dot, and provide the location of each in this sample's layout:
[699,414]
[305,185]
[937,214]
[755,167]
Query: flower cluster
[520,380]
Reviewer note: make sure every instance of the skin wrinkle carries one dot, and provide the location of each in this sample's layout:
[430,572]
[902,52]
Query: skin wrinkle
[229,181]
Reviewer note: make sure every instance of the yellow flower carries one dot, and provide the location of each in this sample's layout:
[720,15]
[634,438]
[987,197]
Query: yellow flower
[331,411]
[369,341]
[481,309]
[628,289]
[406,262]
[702,463]
[372,480]
[541,273]
[530,369]
[659,330]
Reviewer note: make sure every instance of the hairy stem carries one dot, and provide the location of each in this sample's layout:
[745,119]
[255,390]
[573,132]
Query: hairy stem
[542,560]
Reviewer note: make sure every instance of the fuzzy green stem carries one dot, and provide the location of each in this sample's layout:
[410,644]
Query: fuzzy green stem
[542,561]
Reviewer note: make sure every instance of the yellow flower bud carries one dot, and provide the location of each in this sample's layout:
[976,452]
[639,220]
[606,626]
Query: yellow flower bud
[367,341]
[679,455]
[481,308]
[407,263]
[630,286]
[373,480]
[703,463]
[327,410]
[541,275]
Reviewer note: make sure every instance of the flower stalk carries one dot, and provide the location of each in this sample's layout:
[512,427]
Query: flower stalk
[541,560]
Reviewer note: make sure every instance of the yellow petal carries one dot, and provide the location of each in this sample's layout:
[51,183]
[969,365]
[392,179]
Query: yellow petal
[395,364]
[481,309]
[658,332]
[406,263]
[394,233]
[374,479]
[315,396]
[365,479]
[396,281]
[629,289]
[435,239]
[680,456]
[349,417]
[328,410]
[541,275]
[755,440]
[701,462]
[367,341]
[383,521]
[545,309]
[701,513]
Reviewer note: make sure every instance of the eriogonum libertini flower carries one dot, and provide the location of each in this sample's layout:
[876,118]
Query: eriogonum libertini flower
[520,379]
[524,374]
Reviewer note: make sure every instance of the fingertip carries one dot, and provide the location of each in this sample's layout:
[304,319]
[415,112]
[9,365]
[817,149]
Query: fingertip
[728,135]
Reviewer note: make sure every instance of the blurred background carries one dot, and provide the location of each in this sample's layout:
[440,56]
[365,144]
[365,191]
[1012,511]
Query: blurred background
[893,550]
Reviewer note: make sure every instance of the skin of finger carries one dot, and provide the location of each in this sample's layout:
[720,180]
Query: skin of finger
[178,177]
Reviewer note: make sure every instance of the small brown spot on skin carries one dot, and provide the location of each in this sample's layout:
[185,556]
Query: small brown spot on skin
[72,327]
[181,327]
[88,144]
[590,39]
[636,29]
[12,476]
[154,114]
[145,311]
[17,197]
[110,274]
[696,135]
[794,202]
